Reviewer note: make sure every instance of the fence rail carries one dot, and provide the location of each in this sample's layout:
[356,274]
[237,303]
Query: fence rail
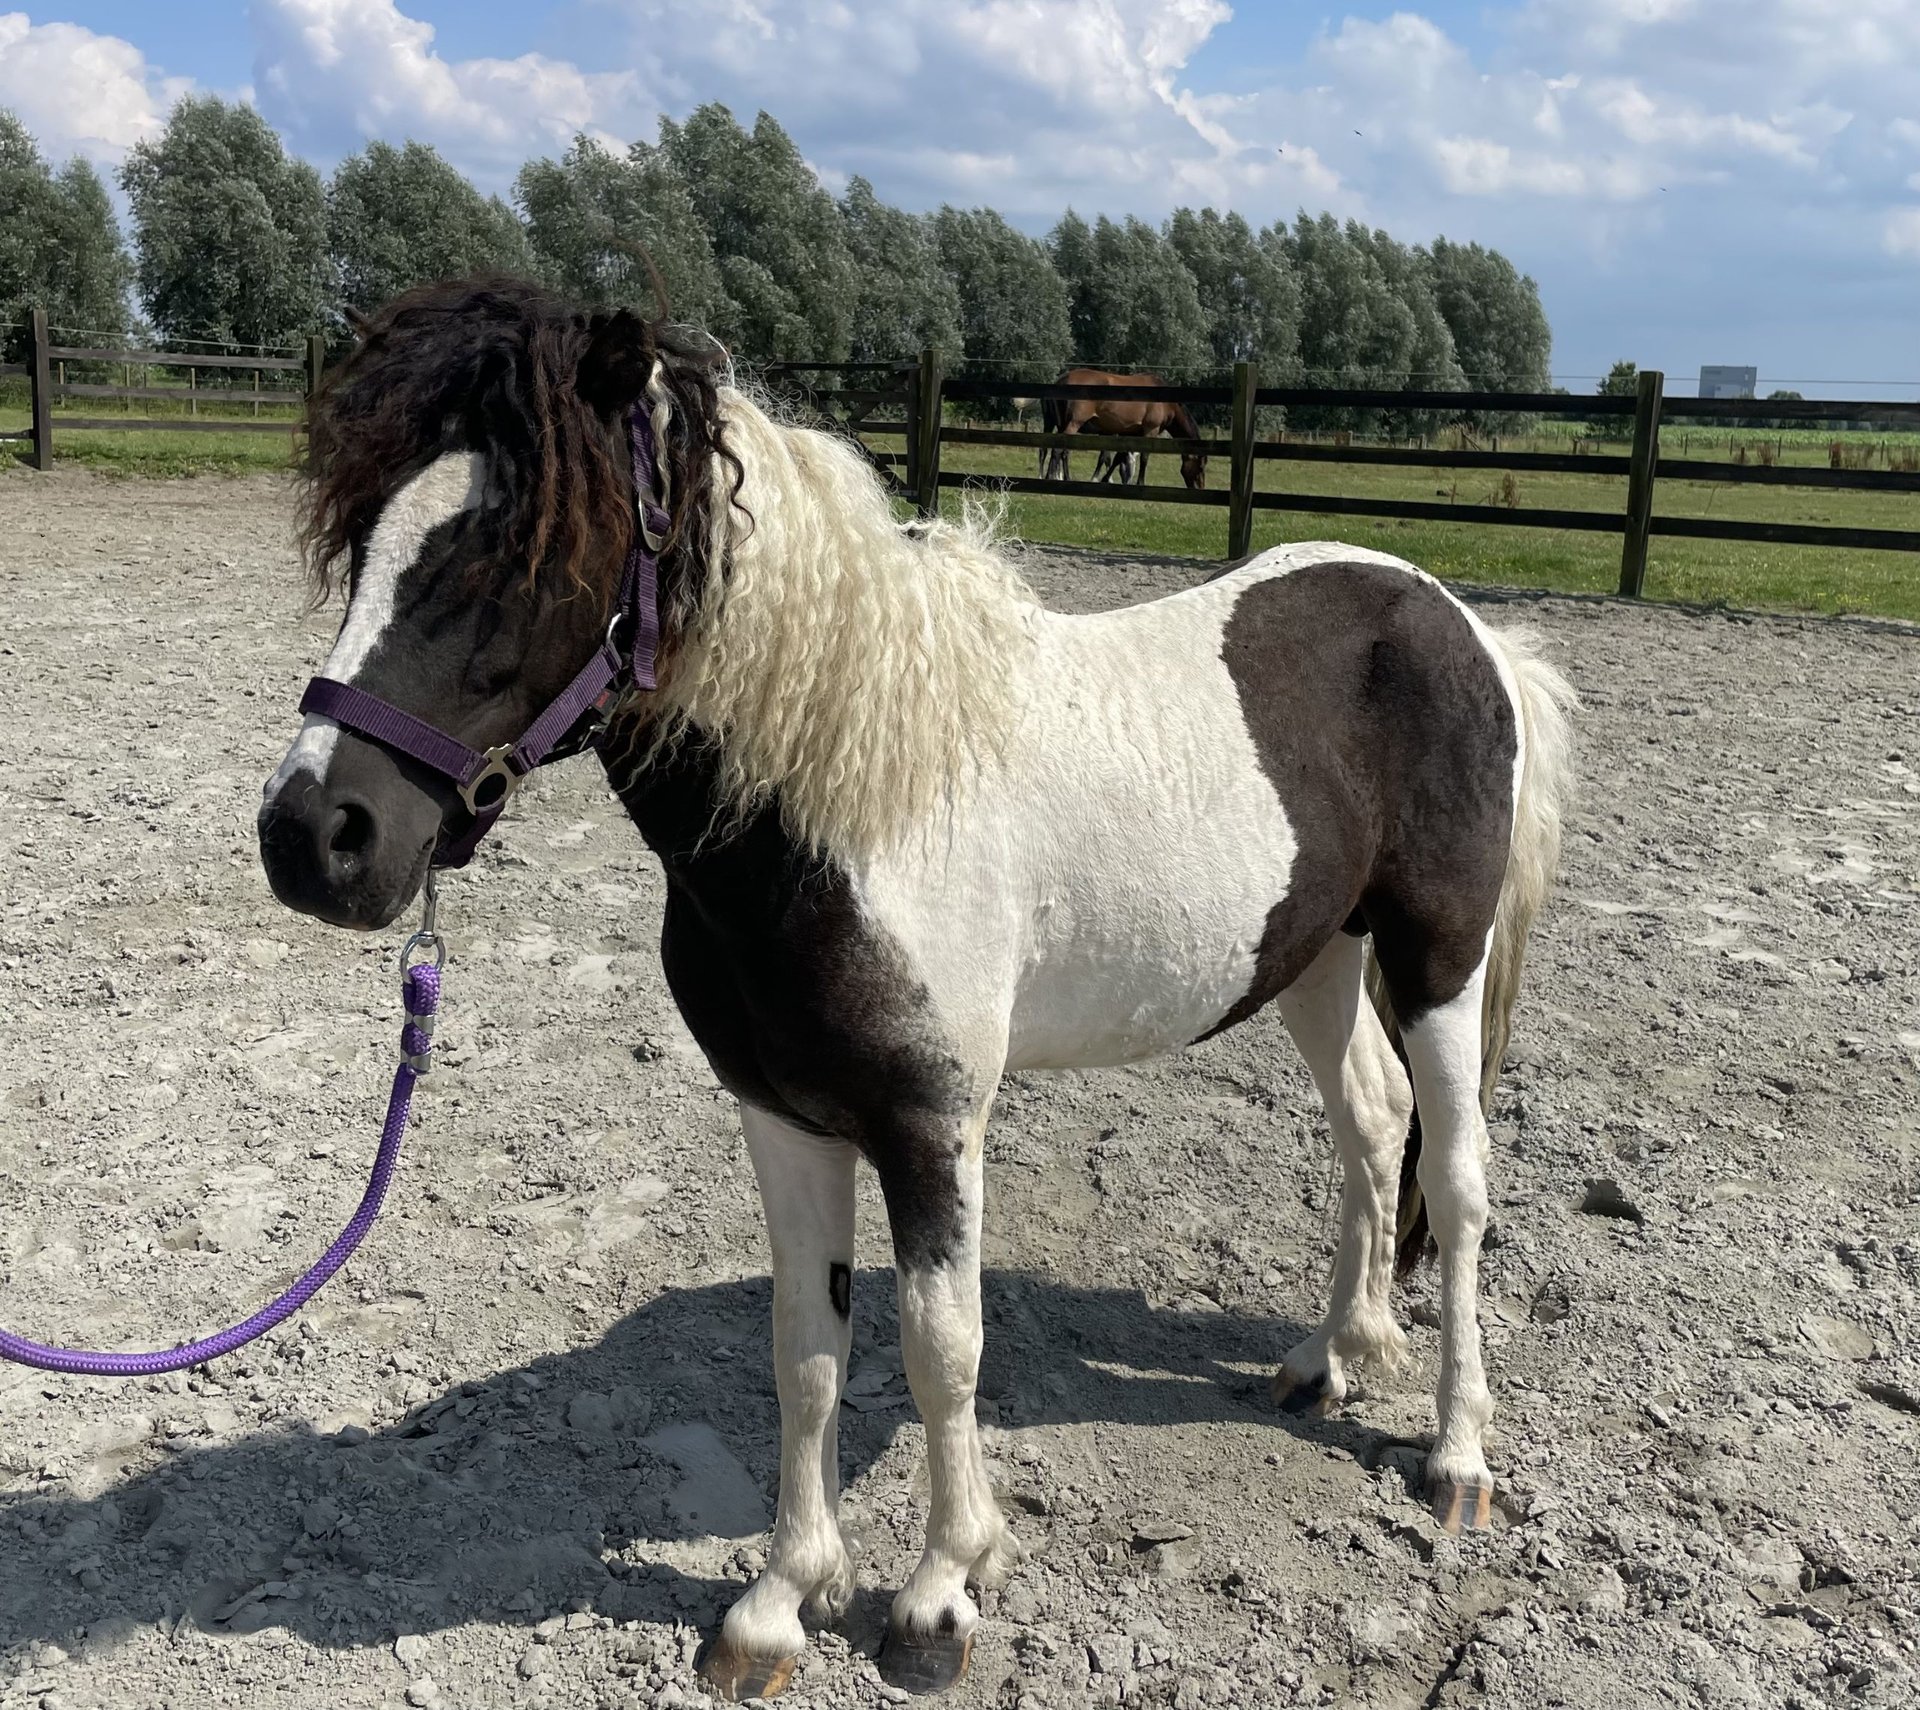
[925,395]
[917,394]
[789,380]
[45,369]
[177,359]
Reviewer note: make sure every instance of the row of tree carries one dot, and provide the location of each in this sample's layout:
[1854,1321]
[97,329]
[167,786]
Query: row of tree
[235,241]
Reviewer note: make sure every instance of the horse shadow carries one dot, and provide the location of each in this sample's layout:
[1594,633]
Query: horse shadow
[629,1477]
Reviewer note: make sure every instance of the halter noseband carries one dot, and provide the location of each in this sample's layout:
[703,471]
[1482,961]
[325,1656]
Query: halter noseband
[573,720]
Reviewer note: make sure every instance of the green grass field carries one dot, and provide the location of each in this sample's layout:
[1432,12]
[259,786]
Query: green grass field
[1734,573]
[156,451]
[1809,579]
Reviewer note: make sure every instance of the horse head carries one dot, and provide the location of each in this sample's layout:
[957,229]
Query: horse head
[469,488]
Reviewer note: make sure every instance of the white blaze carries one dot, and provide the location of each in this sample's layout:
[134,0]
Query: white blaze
[441,491]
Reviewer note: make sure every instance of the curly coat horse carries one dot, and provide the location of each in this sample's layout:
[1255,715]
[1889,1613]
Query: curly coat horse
[918,831]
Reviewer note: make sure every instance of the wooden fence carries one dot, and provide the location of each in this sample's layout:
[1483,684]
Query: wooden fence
[922,394]
[909,400]
[45,369]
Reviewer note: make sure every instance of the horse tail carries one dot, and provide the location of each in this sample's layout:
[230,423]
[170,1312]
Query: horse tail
[1546,703]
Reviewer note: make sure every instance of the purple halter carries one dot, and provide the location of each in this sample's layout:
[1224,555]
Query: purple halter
[487,778]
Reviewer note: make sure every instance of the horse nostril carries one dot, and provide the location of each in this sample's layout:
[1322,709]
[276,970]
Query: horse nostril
[352,834]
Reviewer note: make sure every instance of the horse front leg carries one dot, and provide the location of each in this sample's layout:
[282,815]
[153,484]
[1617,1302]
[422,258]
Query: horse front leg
[807,1192]
[934,1206]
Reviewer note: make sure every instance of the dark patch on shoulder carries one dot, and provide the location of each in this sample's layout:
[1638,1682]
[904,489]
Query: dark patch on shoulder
[801,1006]
[1383,725]
[840,1288]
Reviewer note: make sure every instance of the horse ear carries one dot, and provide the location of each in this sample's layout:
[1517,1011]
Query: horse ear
[360,324]
[617,364]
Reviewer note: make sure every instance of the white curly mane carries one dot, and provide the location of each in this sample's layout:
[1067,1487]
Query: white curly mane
[859,671]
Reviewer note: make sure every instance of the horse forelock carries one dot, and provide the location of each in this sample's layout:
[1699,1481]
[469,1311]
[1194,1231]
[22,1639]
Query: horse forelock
[490,365]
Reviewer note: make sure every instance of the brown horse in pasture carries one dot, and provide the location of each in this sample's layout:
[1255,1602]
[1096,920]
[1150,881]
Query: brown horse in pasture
[1117,416]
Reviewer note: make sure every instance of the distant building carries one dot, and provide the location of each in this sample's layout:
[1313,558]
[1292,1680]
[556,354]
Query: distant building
[1718,382]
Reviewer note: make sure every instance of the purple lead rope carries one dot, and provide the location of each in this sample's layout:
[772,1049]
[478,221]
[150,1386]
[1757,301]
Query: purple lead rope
[592,691]
[421,985]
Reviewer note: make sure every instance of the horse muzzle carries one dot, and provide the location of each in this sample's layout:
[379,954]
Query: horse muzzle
[344,855]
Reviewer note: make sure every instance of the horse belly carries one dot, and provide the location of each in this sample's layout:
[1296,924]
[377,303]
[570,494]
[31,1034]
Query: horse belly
[1148,921]
[1140,987]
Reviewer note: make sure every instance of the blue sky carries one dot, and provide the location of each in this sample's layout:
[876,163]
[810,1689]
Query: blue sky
[1689,180]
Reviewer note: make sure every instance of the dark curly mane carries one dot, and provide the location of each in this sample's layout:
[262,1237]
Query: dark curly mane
[510,369]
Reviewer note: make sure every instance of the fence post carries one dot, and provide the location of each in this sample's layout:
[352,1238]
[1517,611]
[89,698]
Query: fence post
[42,387]
[908,375]
[928,430]
[1646,454]
[316,362]
[1240,504]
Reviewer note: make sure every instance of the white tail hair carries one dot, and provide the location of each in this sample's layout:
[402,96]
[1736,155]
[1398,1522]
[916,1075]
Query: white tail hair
[1547,705]
[848,667]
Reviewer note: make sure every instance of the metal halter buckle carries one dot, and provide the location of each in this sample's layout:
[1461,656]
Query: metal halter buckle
[497,770]
[427,940]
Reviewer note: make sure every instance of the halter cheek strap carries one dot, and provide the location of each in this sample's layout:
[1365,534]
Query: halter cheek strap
[573,720]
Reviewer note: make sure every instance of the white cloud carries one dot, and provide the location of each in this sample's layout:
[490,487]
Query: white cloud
[932,96]
[1652,123]
[1778,135]
[331,73]
[1901,230]
[1475,166]
[1090,90]
[81,93]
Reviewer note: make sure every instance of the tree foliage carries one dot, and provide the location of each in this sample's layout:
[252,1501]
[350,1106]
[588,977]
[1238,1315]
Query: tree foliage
[1248,292]
[1500,331]
[401,216]
[1132,303]
[778,236]
[585,210]
[905,301]
[1622,381]
[1013,305]
[234,241]
[230,234]
[59,244]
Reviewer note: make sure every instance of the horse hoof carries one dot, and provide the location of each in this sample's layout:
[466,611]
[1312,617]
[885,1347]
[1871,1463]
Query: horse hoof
[1460,1505]
[733,1676]
[1302,1395]
[924,1665]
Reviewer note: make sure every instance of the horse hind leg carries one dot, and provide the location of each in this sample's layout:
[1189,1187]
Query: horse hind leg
[1445,1044]
[1368,1104]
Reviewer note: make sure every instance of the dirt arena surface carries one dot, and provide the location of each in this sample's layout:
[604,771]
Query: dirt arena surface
[523,1450]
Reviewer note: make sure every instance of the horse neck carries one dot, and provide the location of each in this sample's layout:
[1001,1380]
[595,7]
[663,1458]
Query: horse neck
[840,664]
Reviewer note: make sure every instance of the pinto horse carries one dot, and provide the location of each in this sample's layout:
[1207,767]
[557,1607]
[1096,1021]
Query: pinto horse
[1116,416]
[918,831]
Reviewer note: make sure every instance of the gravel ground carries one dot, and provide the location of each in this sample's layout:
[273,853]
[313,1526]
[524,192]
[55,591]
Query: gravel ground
[523,1451]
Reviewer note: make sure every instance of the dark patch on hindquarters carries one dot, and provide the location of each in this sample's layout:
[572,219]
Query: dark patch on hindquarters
[840,1288]
[1383,725]
[801,1005]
